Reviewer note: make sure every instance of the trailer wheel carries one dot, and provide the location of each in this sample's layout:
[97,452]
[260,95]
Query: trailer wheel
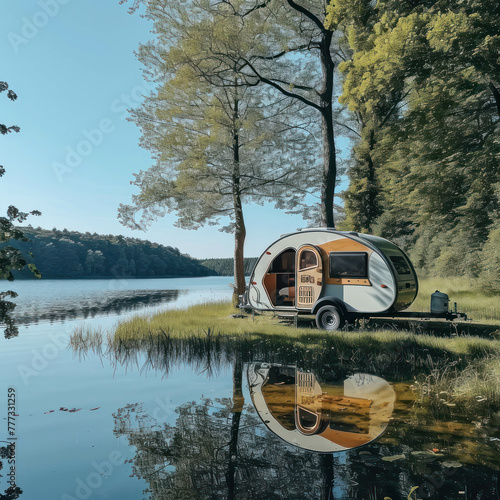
[329,318]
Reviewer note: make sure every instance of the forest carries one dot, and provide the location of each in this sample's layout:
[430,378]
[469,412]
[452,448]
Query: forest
[225,267]
[421,85]
[70,254]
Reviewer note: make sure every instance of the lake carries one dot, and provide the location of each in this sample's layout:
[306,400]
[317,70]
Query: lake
[210,420]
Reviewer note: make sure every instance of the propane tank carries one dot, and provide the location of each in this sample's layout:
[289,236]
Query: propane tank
[439,302]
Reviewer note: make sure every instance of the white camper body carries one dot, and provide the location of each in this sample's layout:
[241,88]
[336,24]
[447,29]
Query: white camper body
[334,274]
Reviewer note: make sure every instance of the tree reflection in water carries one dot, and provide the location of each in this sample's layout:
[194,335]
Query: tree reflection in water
[107,302]
[12,492]
[220,448]
[217,450]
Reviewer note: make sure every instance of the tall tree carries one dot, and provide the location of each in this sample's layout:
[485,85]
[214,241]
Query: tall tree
[296,57]
[436,158]
[374,90]
[218,140]
[10,258]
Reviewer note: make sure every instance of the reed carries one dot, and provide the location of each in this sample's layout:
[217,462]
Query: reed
[462,365]
[217,319]
[84,337]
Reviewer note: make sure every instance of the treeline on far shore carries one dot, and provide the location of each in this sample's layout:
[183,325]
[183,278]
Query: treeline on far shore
[71,254]
[225,267]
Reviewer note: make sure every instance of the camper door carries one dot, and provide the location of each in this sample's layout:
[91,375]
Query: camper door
[309,280]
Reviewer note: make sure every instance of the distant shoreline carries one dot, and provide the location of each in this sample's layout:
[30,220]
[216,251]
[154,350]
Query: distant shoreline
[25,278]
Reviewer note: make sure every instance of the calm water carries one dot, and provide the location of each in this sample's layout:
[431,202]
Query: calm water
[218,420]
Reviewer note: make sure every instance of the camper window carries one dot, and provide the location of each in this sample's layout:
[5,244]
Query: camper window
[348,265]
[284,262]
[307,259]
[400,264]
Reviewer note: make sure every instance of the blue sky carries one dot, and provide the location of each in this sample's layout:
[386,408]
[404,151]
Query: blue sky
[73,67]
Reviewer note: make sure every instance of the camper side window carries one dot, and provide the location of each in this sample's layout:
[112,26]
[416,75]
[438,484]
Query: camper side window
[348,265]
[400,264]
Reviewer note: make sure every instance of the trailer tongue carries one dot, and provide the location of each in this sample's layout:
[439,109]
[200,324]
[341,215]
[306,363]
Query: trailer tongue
[439,310]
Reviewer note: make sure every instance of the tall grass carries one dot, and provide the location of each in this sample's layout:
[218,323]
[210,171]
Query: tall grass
[466,367]
[90,339]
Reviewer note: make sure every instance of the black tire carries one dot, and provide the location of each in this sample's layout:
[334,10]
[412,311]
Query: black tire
[329,318]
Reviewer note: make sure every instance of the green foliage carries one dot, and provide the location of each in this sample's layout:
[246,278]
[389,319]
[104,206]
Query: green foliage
[70,254]
[489,274]
[218,140]
[423,85]
[11,258]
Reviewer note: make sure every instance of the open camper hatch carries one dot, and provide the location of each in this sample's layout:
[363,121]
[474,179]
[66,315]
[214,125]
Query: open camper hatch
[337,276]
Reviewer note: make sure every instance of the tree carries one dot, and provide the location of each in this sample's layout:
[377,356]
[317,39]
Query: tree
[214,451]
[11,258]
[374,90]
[217,139]
[436,156]
[297,58]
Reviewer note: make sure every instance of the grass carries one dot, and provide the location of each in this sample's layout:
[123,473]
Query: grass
[466,366]
[92,339]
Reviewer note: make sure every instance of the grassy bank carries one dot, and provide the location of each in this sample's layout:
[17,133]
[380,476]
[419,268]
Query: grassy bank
[217,317]
[458,361]
[467,367]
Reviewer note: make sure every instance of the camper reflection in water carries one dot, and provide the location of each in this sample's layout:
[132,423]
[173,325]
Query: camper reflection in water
[320,417]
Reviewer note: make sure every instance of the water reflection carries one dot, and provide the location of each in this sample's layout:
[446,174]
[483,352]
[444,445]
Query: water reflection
[229,447]
[98,303]
[219,448]
[320,417]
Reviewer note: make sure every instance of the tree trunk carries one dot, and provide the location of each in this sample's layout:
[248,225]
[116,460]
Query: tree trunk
[327,470]
[329,169]
[239,243]
[239,229]
[329,157]
[372,209]
[238,403]
[496,95]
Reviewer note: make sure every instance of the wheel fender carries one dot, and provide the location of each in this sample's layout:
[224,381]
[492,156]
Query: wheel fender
[330,301]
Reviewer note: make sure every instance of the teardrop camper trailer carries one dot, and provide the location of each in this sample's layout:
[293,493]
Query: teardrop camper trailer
[337,276]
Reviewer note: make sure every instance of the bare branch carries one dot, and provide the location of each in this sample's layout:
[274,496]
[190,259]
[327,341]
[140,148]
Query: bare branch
[282,90]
